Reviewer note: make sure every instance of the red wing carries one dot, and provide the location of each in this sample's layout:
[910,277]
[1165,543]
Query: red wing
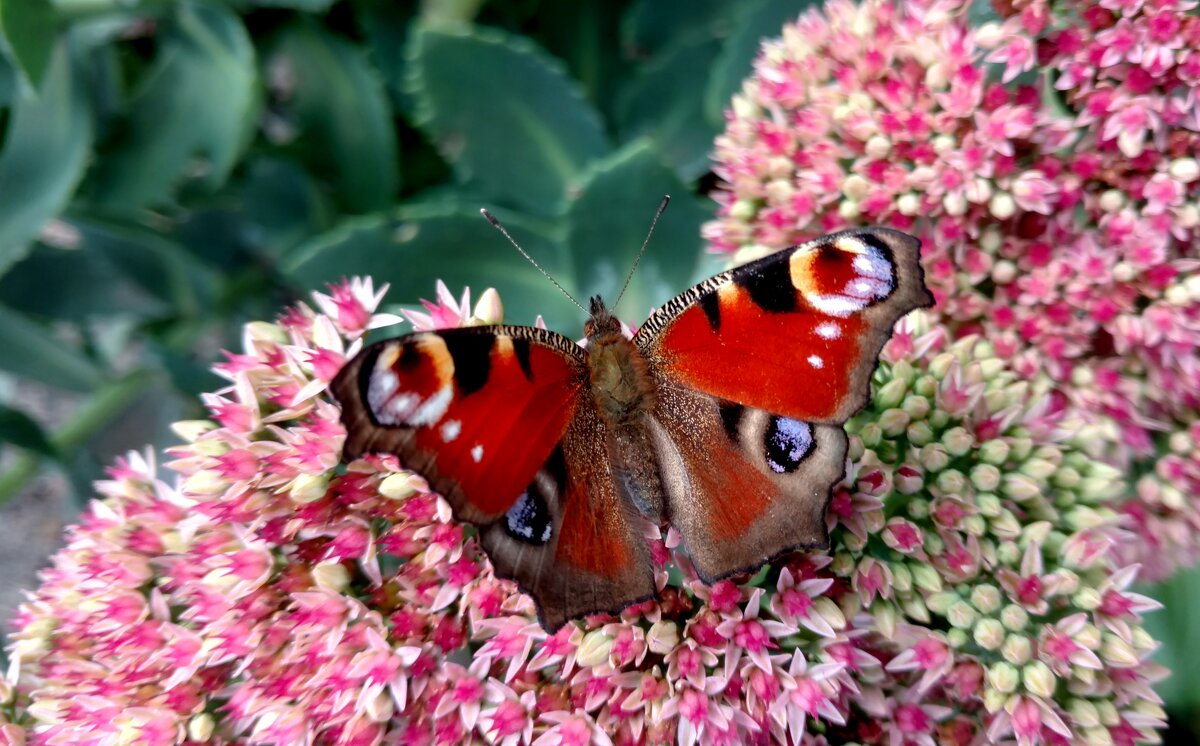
[476,411]
[796,333]
[571,541]
[742,485]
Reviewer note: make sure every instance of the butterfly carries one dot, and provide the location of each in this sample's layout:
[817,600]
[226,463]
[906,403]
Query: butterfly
[722,417]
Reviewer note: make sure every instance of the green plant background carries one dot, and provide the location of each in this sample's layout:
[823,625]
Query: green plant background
[172,169]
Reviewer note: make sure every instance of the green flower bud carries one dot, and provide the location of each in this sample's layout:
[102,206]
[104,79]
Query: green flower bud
[940,365]
[987,598]
[1017,649]
[1084,712]
[1089,637]
[200,728]
[1039,679]
[934,457]
[1109,715]
[1039,469]
[1066,478]
[917,407]
[974,525]
[1087,599]
[594,649]
[914,608]
[1003,677]
[919,433]
[994,700]
[993,452]
[957,638]
[871,435]
[884,614]
[893,422]
[989,634]
[989,505]
[995,400]
[1014,618]
[940,603]
[1097,737]
[1020,487]
[1007,526]
[952,482]
[962,615]
[926,386]
[843,564]
[890,394]
[934,544]
[901,577]
[926,578]
[958,441]
[918,510]
[985,477]
[938,419]
[398,486]
[1118,653]
[1021,447]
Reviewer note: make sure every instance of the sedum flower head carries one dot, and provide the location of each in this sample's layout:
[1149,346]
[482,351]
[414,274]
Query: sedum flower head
[267,595]
[1049,164]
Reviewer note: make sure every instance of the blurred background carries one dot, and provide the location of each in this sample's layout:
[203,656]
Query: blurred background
[171,170]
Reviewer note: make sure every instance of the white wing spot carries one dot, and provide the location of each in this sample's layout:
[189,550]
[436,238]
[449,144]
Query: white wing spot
[816,361]
[393,411]
[432,409]
[829,330]
[477,453]
[450,430]
[836,305]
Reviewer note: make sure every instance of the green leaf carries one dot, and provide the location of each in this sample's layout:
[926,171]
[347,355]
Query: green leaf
[70,285]
[653,26]
[162,268]
[304,6]
[1175,628]
[44,157]
[414,246]
[662,104]
[341,112]
[505,116]
[17,428]
[29,28]
[199,99]
[608,221]
[282,206]
[30,350]
[756,21]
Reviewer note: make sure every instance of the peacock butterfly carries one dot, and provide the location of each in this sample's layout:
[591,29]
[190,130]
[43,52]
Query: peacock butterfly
[721,416]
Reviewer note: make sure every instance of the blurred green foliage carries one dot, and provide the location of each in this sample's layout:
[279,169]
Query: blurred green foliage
[172,169]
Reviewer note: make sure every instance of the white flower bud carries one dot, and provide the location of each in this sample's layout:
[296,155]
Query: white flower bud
[1002,206]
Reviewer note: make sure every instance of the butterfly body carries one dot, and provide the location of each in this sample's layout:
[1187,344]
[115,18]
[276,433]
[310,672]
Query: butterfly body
[720,417]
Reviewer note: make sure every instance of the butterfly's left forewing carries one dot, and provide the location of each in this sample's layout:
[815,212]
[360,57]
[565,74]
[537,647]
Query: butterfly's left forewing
[755,371]
[496,421]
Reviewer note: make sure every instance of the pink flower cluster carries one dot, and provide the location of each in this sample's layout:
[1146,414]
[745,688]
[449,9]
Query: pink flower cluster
[270,596]
[1048,162]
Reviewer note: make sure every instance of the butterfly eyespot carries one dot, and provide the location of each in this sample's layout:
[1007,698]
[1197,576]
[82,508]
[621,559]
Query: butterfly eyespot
[787,442]
[528,520]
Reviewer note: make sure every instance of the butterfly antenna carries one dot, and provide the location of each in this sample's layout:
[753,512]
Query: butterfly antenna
[496,224]
[662,206]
